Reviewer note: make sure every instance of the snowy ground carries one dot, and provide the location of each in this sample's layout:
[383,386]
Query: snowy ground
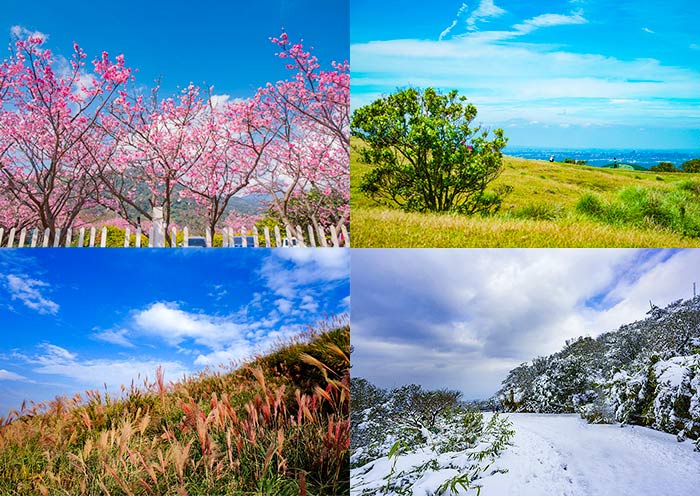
[562,455]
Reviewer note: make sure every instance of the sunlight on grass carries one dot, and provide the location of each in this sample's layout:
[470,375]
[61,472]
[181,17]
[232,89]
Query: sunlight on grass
[277,425]
[541,211]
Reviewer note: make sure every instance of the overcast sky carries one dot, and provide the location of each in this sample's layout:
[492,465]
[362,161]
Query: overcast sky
[72,320]
[463,318]
[555,73]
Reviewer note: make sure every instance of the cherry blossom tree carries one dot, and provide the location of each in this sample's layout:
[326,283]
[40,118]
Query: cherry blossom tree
[320,96]
[307,166]
[75,142]
[157,144]
[51,136]
[238,136]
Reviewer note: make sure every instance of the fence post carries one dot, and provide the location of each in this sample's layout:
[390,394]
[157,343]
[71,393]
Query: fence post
[322,236]
[346,236]
[288,233]
[127,235]
[225,243]
[158,228]
[69,237]
[266,232]
[208,237]
[57,237]
[300,235]
[244,239]
[137,241]
[173,237]
[256,242]
[22,237]
[186,237]
[35,232]
[312,239]
[334,236]
[2,231]
[92,237]
[81,237]
[151,231]
[103,238]
[278,238]
[11,238]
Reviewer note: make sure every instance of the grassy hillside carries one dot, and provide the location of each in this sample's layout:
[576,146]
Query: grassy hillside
[546,208]
[278,425]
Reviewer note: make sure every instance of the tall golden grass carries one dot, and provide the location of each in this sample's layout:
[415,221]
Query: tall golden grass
[277,425]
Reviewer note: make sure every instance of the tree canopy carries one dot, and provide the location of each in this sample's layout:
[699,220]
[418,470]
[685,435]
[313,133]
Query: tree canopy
[426,154]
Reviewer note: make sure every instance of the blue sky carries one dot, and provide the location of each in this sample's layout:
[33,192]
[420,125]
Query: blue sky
[224,44]
[74,320]
[462,318]
[564,73]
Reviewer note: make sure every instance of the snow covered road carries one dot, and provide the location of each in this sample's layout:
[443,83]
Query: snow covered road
[562,455]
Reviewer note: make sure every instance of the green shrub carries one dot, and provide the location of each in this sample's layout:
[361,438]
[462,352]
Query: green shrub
[591,204]
[538,211]
[663,167]
[677,210]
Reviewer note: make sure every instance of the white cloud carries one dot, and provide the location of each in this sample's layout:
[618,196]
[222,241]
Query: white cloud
[647,30]
[308,267]
[283,305]
[56,360]
[117,337]
[550,20]
[217,100]
[449,28]
[486,9]
[499,79]
[22,33]
[168,322]
[6,375]
[309,304]
[243,350]
[27,290]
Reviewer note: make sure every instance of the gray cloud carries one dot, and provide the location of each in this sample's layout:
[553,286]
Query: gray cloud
[463,318]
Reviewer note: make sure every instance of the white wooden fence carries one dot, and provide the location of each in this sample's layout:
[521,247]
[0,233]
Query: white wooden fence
[290,237]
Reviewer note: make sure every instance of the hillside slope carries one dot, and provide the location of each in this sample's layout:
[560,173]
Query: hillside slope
[540,211]
[278,425]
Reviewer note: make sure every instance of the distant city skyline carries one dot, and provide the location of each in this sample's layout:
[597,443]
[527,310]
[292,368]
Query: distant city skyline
[463,318]
[568,73]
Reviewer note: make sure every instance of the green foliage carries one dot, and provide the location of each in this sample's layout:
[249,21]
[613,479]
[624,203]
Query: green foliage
[115,237]
[538,211]
[692,166]
[664,167]
[677,210]
[426,156]
[568,160]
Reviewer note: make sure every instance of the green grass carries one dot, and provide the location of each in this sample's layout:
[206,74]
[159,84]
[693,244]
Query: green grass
[544,210]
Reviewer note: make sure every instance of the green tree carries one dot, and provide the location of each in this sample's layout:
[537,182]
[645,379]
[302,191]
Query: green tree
[426,156]
[663,167]
[692,165]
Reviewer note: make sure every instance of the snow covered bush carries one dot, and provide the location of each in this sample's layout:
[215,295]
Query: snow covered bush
[676,405]
[422,442]
[646,373]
